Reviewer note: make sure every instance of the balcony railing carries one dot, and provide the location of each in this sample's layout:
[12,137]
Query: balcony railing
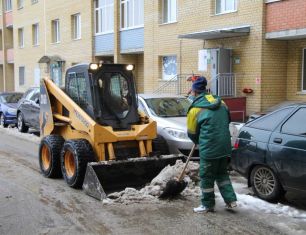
[8,19]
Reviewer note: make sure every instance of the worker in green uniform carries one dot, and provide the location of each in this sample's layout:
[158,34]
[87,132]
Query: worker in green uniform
[208,126]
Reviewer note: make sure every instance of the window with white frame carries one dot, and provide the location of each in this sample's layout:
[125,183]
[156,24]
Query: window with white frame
[8,5]
[169,9]
[55,24]
[21,75]
[304,71]
[104,16]
[132,15]
[20,37]
[76,26]
[169,67]
[226,6]
[20,4]
[35,34]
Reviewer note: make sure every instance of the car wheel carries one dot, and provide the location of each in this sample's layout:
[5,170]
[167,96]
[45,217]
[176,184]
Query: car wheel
[20,123]
[160,145]
[2,120]
[265,184]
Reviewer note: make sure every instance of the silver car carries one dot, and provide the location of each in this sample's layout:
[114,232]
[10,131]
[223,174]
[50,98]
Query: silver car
[170,113]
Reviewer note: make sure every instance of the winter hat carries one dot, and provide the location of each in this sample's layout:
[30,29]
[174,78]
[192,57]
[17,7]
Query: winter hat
[199,85]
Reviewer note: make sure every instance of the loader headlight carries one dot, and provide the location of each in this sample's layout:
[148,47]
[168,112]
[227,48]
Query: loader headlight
[130,67]
[180,134]
[12,111]
[93,66]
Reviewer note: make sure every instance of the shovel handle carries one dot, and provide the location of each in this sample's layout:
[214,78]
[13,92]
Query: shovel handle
[186,164]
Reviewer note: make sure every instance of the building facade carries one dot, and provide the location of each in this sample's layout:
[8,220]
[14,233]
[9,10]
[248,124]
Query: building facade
[43,38]
[249,49]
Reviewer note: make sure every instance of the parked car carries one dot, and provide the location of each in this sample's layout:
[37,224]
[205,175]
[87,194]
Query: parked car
[8,107]
[170,113]
[270,152]
[28,110]
[271,109]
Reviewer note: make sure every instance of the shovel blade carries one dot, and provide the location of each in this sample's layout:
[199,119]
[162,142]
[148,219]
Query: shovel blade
[106,177]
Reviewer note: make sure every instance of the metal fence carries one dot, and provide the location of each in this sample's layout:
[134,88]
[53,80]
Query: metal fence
[222,85]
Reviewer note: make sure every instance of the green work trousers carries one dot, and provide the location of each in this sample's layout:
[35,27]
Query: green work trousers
[211,171]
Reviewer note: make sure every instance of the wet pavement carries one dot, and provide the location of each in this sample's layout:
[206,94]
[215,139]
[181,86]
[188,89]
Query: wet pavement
[32,204]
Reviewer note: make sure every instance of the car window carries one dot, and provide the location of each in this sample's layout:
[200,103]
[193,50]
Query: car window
[141,107]
[30,94]
[296,124]
[11,98]
[35,96]
[270,121]
[169,106]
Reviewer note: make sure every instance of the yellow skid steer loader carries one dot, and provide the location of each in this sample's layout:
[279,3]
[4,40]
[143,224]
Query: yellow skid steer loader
[92,133]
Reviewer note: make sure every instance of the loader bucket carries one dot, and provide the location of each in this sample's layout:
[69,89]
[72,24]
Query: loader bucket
[105,177]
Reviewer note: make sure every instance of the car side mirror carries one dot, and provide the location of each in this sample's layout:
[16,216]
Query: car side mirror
[37,101]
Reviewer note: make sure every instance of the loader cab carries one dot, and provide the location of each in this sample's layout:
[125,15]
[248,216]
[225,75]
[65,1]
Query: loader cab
[106,92]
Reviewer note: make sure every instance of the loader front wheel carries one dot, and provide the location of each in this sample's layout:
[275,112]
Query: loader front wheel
[74,158]
[49,156]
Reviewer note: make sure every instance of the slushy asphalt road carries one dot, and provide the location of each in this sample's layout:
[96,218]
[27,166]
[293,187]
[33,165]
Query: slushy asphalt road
[32,204]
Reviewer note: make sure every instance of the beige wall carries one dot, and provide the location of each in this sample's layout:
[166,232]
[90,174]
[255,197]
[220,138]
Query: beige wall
[274,72]
[195,16]
[70,50]
[294,70]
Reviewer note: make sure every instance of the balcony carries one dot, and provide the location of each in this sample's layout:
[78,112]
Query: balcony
[8,18]
[132,41]
[104,44]
[10,56]
[1,57]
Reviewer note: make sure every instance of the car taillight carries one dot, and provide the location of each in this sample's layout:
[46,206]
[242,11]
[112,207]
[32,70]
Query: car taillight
[236,145]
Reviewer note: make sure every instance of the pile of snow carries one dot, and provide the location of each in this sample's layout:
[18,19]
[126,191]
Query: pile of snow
[25,136]
[151,192]
[252,203]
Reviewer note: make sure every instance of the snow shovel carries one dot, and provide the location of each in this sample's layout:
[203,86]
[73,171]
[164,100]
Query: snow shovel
[175,186]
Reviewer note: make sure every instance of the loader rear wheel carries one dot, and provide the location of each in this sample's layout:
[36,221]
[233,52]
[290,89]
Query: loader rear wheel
[74,158]
[49,156]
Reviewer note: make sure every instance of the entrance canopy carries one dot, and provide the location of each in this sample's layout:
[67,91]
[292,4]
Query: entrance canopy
[219,33]
[47,59]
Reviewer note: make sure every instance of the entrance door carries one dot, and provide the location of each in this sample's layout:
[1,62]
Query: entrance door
[220,64]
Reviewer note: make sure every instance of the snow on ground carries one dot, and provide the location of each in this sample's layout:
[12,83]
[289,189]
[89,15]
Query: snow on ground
[25,136]
[246,202]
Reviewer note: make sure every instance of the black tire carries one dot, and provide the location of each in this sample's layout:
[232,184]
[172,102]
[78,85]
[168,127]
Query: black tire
[160,145]
[74,158]
[265,184]
[2,120]
[21,126]
[49,156]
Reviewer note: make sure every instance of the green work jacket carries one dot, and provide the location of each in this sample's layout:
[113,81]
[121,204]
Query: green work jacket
[208,126]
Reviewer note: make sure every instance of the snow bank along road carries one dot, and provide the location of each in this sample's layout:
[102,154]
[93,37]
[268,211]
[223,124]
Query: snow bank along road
[32,204]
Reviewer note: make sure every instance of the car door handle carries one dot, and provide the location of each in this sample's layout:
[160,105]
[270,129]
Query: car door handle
[278,140]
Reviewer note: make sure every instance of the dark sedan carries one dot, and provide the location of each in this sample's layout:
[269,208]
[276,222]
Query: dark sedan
[8,107]
[271,152]
[28,110]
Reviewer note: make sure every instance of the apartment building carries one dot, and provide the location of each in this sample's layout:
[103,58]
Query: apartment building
[253,50]
[286,63]
[43,38]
